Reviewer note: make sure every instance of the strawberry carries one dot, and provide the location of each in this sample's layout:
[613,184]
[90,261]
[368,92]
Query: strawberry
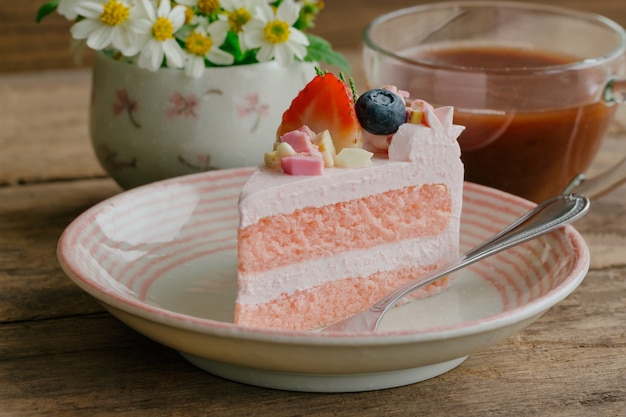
[325,103]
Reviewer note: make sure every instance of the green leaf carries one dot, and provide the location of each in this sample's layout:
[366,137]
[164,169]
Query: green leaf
[231,45]
[46,9]
[320,50]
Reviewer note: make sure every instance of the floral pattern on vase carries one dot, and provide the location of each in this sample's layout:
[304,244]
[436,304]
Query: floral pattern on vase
[203,163]
[125,104]
[114,162]
[253,107]
[183,106]
[177,125]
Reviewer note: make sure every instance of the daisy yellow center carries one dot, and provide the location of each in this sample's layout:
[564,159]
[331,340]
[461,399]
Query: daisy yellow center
[198,44]
[277,31]
[163,29]
[189,14]
[208,6]
[238,18]
[114,13]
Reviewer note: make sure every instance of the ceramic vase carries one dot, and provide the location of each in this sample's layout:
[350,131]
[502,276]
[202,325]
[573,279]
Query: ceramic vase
[147,126]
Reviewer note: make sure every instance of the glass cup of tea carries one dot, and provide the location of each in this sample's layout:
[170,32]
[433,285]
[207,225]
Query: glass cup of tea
[534,85]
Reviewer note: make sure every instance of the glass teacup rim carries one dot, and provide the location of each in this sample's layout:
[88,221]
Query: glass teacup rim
[617,52]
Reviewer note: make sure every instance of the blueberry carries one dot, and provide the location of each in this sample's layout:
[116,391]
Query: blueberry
[380,111]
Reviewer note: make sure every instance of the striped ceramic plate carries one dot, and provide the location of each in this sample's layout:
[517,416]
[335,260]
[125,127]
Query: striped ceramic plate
[162,258]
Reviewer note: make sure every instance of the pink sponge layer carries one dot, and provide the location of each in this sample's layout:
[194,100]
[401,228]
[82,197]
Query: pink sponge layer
[333,301]
[312,232]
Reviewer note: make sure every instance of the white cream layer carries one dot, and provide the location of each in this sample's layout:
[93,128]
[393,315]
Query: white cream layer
[263,287]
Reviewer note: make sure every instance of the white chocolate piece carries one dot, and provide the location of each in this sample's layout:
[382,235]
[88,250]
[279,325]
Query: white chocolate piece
[284,149]
[324,143]
[271,160]
[353,158]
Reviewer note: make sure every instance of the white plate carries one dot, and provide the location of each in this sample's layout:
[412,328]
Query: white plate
[162,258]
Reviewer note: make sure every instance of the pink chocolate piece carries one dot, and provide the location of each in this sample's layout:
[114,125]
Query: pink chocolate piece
[299,140]
[307,130]
[302,165]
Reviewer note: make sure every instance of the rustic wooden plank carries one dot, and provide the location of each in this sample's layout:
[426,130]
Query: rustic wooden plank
[94,365]
[44,121]
[32,285]
[26,45]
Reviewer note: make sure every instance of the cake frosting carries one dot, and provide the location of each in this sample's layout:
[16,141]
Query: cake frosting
[316,248]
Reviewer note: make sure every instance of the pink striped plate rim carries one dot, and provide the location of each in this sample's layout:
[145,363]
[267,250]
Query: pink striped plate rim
[129,249]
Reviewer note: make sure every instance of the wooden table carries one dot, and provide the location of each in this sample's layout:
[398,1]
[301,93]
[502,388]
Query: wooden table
[61,354]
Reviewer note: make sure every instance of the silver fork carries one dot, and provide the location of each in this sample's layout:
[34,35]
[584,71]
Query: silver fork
[544,218]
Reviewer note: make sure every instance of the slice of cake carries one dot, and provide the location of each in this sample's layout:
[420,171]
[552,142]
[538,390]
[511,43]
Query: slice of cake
[324,243]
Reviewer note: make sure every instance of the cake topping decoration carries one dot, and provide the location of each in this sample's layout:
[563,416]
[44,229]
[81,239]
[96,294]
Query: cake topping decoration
[402,93]
[381,111]
[322,127]
[318,126]
[326,147]
[302,164]
[417,112]
[299,140]
[353,158]
[437,121]
[325,103]
[302,152]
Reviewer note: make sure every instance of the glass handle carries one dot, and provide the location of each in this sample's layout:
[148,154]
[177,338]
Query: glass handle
[615,91]
[601,184]
[615,176]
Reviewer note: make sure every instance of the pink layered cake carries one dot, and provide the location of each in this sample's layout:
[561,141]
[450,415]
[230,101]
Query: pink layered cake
[317,245]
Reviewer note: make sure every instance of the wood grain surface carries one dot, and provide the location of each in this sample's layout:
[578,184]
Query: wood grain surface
[61,354]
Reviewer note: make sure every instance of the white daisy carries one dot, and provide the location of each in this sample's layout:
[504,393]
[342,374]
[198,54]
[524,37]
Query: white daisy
[157,34]
[274,35]
[205,6]
[237,13]
[204,42]
[105,24]
[67,8]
